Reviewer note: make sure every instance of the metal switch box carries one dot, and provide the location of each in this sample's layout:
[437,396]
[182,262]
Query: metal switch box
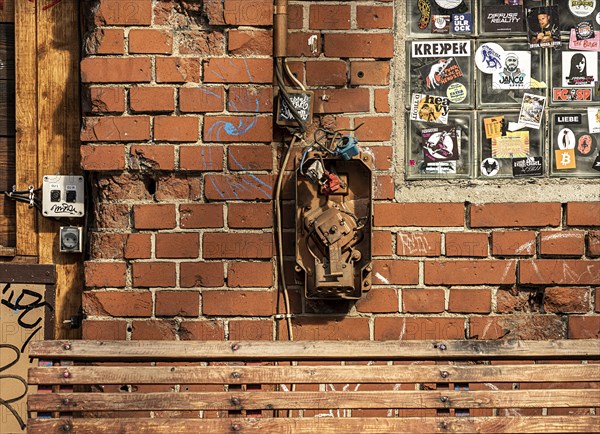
[62,196]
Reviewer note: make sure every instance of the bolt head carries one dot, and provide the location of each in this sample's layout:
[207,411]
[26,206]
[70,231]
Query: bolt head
[444,374]
[66,374]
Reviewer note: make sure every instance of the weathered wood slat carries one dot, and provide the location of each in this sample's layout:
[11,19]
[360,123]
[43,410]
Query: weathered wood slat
[570,398]
[312,374]
[536,424]
[316,350]
[27,273]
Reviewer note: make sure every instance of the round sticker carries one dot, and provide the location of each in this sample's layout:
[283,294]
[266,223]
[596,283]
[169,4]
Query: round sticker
[586,144]
[598,18]
[584,30]
[581,8]
[488,58]
[490,167]
[439,22]
[448,4]
[456,92]
[566,139]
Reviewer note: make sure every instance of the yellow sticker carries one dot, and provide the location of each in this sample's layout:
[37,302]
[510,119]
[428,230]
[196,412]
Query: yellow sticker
[513,145]
[565,159]
[493,126]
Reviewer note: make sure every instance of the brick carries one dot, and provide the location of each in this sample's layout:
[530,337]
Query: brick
[375,17]
[523,326]
[250,275]
[481,272]
[122,185]
[584,327]
[382,100]
[250,215]
[202,330]
[374,128]
[472,244]
[151,99]
[239,303]
[150,41]
[238,129]
[419,214]
[304,44]
[368,45]
[419,244]
[112,216]
[517,300]
[143,157]
[200,215]
[238,187]
[117,303]
[378,300]
[213,9]
[470,300]
[382,157]
[106,245]
[105,274]
[201,158]
[329,17]
[583,213]
[201,99]
[515,214]
[326,73]
[597,299]
[250,99]
[138,246]
[177,303]
[562,243]
[176,128]
[395,272]
[153,274]
[116,129]
[116,70]
[561,272]
[124,12]
[177,69]
[250,157]
[201,43]
[381,242]
[103,157]
[406,328]
[369,73]
[112,330]
[153,330]
[237,245]
[243,12]
[202,274]
[593,243]
[108,41]
[423,300]
[342,100]
[232,70]
[566,300]
[513,243]
[154,216]
[105,100]
[384,187]
[250,330]
[179,245]
[295,16]
[334,329]
[248,42]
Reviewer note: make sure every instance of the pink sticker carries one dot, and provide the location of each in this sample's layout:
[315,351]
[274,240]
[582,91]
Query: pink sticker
[592,44]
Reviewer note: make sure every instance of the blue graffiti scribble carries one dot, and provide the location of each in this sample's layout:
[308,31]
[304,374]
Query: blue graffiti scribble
[254,177]
[209,92]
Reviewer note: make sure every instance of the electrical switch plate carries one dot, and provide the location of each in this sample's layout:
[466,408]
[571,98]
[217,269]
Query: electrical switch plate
[70,239]
[63,196]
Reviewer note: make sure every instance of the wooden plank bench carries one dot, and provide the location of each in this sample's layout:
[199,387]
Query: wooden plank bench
[315,387]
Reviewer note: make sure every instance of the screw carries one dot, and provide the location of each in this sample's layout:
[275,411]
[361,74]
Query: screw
[66,401]
[442,347]
[66,427]
[235,374]
[444,374]
[66,374]
[443,398]
[333,229]
[67,347]
[235,347]
[236,427]
[235,401]
[366,283]
[369,268]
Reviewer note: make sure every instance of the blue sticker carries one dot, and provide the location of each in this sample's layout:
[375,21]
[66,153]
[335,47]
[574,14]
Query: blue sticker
[462,23]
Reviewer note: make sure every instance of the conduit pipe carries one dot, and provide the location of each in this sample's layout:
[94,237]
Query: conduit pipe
[280,28]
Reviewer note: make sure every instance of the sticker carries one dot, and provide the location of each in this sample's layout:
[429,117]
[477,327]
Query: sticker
[598,17]
[441,144]
[512,145]
[591,44]
[490,167]
[532,109]
[438,74]
[528,166]
[543,27]
[515,126]
[570,119]
[462,23]
[504,19]
[440,24]
[582,8]
[579,69]
[565,139]
[516,73]
[586,145]
[596,164]
[565,159]
[584,30]
[448,4]
[441,168]
[594,120]
[538,84]
[429,108]
[493,126]
[513,2]
[569,94]
[441,48]
[425,10]
[488,58]
[456,92]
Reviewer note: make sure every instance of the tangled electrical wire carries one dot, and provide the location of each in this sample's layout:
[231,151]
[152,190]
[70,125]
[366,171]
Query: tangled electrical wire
[28,196]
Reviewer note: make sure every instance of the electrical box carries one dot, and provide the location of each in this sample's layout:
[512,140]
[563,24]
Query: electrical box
[302,102]
[71,239]
[63,196]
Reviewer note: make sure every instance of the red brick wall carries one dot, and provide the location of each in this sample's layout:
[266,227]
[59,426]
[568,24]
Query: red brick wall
[179,139]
